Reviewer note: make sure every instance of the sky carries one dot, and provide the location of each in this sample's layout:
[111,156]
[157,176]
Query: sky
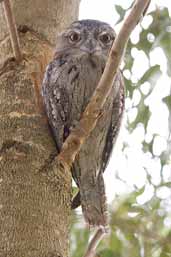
[131,166]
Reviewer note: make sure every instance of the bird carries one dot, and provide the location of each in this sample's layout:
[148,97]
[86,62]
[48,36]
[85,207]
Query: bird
[69,82]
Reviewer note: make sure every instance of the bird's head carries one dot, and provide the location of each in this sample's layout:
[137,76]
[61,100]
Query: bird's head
[86,38]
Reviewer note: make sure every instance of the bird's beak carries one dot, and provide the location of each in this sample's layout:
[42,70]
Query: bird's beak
[90,51]
[89,47]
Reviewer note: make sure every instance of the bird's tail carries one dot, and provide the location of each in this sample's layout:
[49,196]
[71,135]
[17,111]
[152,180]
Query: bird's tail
[93,200]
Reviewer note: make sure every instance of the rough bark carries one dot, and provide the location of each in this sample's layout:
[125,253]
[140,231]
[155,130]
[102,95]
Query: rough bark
[47,17]
[34,204]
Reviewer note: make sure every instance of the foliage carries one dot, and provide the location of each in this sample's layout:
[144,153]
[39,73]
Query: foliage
[141,223]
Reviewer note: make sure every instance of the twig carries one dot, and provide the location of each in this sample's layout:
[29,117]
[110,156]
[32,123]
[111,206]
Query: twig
[90,116]
[91,251]
[13,30]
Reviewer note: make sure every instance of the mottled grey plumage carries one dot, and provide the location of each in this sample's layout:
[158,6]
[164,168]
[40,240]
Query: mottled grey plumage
[68,85]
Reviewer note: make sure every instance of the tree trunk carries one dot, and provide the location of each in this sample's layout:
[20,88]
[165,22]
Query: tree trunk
[34,207]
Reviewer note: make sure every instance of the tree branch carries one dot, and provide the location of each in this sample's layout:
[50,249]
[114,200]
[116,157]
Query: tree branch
[91,114]
[12,29]
[94,242]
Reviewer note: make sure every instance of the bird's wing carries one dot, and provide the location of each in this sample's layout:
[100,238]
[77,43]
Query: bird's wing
[56,100]
[116,118]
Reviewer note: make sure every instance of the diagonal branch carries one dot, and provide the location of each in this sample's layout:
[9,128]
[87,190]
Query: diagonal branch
[91,114]
[94,242]
[12,29]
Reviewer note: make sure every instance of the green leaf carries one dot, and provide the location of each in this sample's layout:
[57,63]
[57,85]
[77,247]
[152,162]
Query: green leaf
[151,75]
[167,101]
[129,88]
[160,28]
[121,13]
[143,117]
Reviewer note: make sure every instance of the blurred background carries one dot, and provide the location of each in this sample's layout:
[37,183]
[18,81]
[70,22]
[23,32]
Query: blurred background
[138,177]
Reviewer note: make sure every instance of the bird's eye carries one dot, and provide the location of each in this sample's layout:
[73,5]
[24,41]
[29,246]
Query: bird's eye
[105,38]
[74,37]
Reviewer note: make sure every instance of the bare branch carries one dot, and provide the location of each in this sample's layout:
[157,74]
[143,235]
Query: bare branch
[12,29]
[90,116]
[91,251]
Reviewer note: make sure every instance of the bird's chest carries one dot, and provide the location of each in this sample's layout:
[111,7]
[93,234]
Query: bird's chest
[81,79]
